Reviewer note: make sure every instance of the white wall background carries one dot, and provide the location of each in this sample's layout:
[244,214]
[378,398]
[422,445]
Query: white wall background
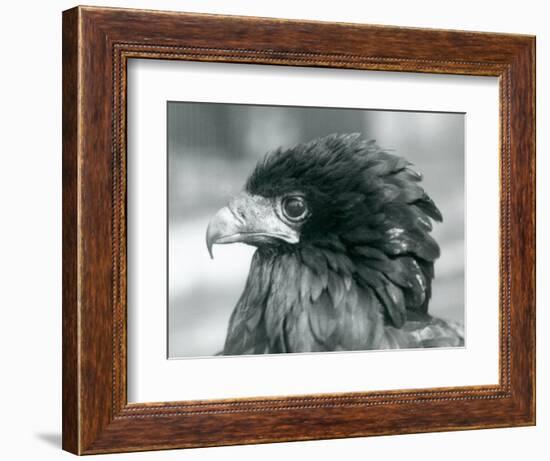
[30,230]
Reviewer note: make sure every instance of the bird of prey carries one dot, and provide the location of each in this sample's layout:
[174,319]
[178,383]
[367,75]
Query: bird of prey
[344,258]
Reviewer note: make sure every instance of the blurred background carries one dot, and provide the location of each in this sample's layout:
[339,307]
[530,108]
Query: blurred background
[213,147]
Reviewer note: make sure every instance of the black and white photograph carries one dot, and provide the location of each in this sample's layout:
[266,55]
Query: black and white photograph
[276,230]
[313,229]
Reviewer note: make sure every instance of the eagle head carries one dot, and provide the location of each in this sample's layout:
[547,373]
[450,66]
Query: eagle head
[336,221]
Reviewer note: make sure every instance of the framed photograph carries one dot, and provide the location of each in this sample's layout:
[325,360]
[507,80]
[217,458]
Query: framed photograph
[281,230]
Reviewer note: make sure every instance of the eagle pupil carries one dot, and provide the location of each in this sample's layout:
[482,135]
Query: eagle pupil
[294,207]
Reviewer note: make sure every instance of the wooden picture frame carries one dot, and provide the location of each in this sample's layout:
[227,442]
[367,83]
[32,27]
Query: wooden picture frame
[97,43]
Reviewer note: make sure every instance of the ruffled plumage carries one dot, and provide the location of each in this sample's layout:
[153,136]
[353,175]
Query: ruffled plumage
[360,277]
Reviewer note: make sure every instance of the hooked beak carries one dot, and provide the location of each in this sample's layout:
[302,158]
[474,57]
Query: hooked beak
[249,219]
[224,227]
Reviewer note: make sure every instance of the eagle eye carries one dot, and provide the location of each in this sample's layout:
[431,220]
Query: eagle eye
[294,208]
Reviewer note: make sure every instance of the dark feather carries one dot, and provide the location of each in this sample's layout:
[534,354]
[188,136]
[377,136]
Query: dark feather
[323,319]
[427,205]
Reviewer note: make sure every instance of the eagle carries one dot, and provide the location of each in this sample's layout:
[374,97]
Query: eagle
[344,259]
